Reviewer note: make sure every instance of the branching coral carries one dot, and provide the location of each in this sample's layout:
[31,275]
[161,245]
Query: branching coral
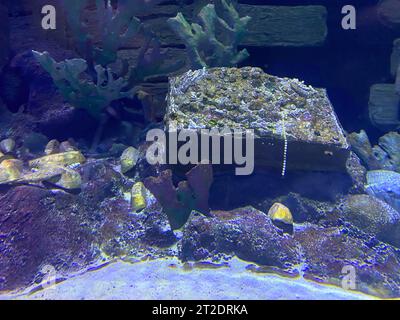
[93,82]
[214,41]
[190,195]
[82,92]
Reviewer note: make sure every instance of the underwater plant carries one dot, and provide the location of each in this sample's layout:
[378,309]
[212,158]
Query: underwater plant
[190,195]
[93,81]
[214,41]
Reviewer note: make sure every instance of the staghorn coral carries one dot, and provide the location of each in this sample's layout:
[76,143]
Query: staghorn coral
[213,42]
[190,195]
[100,77]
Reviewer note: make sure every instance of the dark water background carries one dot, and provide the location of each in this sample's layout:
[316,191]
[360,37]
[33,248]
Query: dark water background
[347,65]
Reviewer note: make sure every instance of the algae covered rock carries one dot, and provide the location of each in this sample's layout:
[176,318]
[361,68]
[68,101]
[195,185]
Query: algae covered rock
[139,196]
[373,216]
[321,253]
[55,168]
[279,110]
[246,233]
[329,254]
[69,180]
[10,170]
[74,231]
[52,230]
[58,159]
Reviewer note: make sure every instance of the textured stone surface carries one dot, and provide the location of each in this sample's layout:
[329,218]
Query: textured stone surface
[327,250]
[246,233]
[357,172]
[72,231]
[248,98]
[316,252]
[39,228]
[373,216]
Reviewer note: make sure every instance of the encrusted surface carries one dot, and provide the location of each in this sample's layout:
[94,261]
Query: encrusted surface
[248,98]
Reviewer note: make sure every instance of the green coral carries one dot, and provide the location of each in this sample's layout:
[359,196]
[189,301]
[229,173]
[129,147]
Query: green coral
[214,41]
[81,92]
[100,76]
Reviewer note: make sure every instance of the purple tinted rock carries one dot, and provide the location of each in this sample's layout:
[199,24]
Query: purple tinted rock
[373,216]
[70,232]
[327,252]
[40,228]
[246,233]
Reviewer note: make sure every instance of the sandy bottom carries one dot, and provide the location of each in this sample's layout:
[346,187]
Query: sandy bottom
[166,279]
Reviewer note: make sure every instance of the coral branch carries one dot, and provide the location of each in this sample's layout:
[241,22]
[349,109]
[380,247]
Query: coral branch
[205,48]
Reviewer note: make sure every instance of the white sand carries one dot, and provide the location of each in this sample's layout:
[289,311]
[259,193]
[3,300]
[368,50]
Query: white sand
[158,280]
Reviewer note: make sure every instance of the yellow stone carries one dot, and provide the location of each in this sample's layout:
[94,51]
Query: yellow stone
[10,170]
[59,159]
[280,213]
[129,159]
[50,174]
[70,180]
[138,197]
